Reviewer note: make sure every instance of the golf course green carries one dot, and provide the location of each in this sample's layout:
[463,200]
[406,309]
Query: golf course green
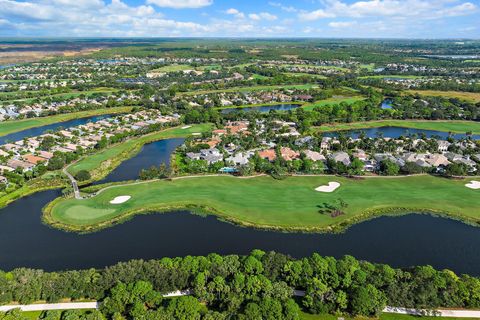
[291,204]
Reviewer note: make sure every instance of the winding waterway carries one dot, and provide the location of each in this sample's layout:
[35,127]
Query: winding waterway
[399,241]
[395,132]
[54,126]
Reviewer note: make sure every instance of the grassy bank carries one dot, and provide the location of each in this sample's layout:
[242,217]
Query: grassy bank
[291,204]
[8,127]
[455,126]
[99,164]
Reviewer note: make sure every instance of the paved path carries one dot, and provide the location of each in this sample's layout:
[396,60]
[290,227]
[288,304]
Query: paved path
[51,306]
[457,313]
[76,191]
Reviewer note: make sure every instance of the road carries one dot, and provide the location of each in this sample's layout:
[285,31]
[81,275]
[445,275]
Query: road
[51,306]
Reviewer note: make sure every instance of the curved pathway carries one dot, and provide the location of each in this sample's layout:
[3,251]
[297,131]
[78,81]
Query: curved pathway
[76,191]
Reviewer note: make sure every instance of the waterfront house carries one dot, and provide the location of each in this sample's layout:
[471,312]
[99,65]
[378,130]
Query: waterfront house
[342,157]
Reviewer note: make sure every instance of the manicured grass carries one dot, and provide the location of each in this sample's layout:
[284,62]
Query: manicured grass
[252,88]
[104,159]
[8,127]
[68,95]
[469,96]
[331,101]
[454,126]
[289,204]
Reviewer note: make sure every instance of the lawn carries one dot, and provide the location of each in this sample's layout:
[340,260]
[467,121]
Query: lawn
[105,159]
[469,96]
[174,68]
[332,101]
[252,88]
[289,204]
[392,76]
[303,74]
[8,127]
[454,126]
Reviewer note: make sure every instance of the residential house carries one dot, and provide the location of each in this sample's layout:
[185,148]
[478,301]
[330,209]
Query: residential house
[342,157]
[314,156]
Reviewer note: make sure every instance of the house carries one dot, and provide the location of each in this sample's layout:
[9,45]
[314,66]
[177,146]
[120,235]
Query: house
[342,157]
[25,166]
[193,156]
[289,154]
[240,158]
[33,159]
[45,154]
[314,156]
[268,154]
[6,169]
[3,180]
[437,160]
[3,153]
[305,141]
[211,155]
[325,144]
[443,145]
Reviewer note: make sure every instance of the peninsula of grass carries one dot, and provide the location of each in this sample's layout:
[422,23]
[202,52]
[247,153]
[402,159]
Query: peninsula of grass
[332,101]
[453,126]
[291,204]
[101,163]
[8,127]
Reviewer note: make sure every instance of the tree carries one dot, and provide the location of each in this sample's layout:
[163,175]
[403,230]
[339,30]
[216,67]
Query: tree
[367,301]
[83,175]
[456,169]
[389,168]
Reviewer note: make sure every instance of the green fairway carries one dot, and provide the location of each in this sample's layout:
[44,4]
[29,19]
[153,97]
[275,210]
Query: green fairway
[289,204]
[454,126]
[8,127]
[103,161]
[331,101]
[392,76]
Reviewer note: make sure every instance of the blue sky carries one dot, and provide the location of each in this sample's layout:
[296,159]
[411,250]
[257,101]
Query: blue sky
[241,18]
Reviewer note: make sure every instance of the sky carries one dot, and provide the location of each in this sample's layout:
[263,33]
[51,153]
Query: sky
[241,18]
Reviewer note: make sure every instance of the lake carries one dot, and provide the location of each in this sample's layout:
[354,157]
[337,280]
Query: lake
[152,154]
[54,126]
[265,108]
[395,132]
[399,241]
[387,104]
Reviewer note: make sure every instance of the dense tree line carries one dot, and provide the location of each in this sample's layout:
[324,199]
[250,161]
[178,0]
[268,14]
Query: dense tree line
[257,286]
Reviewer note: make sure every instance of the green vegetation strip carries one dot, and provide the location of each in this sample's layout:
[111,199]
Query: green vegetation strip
[8,127]
[383,316]
[468,96]
[252,88]
[454,126]
[101,163]
[291,204]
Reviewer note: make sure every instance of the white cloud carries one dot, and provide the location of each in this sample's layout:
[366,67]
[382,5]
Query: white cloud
[427,9]
[315,15]
[341,24]
[181,4]
[284,8]
[262,16]
[236,13]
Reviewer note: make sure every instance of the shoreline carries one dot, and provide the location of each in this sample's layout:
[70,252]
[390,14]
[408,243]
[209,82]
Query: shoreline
[222,214]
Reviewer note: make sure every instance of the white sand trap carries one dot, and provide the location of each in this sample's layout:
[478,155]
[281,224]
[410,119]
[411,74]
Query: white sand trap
[473,185]
[196,134]
[186,127]
[330,187]
[120,199]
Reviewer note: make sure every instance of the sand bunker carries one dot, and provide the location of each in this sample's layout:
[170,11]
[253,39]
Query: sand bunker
[186,127]
[120,199]
[196,134]
[332,186]
[473,185]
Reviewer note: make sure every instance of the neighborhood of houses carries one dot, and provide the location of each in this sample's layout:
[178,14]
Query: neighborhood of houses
[24,155]
[290,145]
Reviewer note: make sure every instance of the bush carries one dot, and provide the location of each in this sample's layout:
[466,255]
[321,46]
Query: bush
[83,175]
